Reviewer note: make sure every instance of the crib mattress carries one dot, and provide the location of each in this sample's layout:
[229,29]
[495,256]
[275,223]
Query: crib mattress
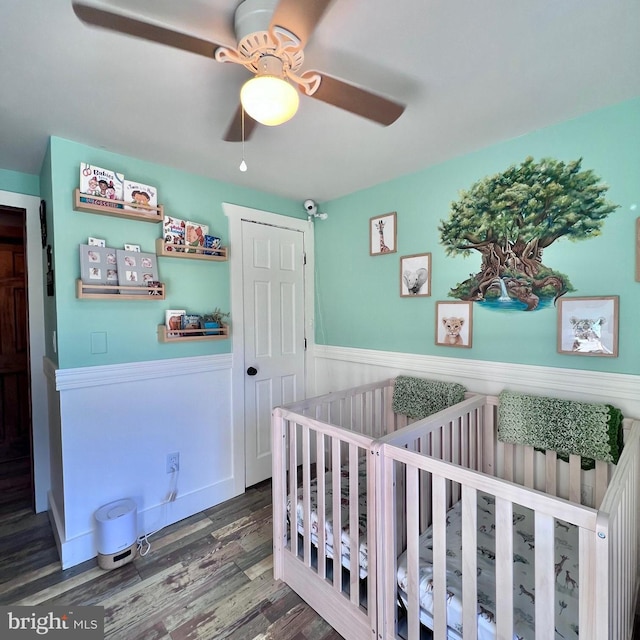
[566,558]
[344,518]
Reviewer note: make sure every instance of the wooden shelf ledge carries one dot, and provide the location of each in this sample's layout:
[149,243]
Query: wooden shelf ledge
[116,208]
[170,250]
[189,335]
[124,292]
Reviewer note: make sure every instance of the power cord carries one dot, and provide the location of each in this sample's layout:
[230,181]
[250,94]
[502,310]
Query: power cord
[144,546]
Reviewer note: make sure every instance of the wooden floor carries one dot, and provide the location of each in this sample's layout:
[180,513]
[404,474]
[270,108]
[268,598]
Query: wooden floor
[207,577]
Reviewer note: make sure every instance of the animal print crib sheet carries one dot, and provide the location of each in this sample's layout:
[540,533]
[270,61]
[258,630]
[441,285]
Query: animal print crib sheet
[344,517]
[566,571]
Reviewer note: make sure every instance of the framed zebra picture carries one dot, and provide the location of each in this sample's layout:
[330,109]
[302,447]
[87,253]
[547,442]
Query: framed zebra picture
[382,234]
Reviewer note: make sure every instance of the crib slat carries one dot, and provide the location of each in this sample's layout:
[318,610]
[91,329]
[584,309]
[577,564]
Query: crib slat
[504,568]
[602,480]
[413,587]
[544,577]
[306,495]
[322,506]
[336,514]
[574,478]
[551,458]
[354,538]
[508,461]
[587,580]
[469,562]
[529,473]
[439,558]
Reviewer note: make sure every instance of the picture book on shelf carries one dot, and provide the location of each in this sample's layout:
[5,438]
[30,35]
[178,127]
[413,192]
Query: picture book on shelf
[139,197]
[173,232]
[211,242]
[190,321]
[194,234]
[104,183]
[173,321]
[98,266]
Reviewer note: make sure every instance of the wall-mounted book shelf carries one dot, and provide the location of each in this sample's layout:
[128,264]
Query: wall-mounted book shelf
[188,335]
[125,292]
[115,208]
[170,250]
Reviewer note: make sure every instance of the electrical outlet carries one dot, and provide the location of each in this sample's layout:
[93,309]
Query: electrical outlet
[173,462]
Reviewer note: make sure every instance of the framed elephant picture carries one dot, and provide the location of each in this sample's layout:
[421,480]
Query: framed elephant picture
[415,275]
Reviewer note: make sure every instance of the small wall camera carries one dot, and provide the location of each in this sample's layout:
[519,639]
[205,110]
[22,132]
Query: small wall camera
[310,207]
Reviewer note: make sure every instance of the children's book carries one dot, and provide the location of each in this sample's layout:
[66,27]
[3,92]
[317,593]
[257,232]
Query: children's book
[136,269]
[194,234]
[139,197]
[173,321]
[191,321]
[173,233]
[104,183]
[211,242]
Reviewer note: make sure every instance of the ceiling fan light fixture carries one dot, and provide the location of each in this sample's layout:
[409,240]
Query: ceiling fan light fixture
[268,97]
[269,100]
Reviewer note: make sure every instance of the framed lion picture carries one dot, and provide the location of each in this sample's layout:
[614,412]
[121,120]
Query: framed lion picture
[454,324]
[588,326]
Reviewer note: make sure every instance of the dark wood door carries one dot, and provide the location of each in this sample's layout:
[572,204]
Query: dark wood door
[15,418]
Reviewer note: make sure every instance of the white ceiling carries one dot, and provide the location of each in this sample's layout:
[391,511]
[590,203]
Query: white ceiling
[471,72]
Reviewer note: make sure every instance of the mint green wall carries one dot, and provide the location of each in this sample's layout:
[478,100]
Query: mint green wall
[358,296]
[17,182]
[194,285]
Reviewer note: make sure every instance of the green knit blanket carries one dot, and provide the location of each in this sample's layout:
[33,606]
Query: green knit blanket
[593,431]
[419,398]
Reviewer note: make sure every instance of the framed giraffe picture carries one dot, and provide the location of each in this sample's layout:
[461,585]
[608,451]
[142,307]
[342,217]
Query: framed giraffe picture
[382,234]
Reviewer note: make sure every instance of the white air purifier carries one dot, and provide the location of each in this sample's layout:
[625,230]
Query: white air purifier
[117,533]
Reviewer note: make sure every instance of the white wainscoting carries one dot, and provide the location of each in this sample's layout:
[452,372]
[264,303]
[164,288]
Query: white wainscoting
[343,367]
[116,425]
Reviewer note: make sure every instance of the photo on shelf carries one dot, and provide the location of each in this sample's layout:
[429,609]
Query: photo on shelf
[98,266]
[136,269]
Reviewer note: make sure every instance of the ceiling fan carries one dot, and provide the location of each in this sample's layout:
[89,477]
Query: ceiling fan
[271,36]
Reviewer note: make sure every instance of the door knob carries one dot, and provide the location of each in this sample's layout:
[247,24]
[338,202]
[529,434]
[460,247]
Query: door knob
[251,371]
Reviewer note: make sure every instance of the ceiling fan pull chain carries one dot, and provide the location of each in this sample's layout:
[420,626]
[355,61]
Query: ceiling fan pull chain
[243,164]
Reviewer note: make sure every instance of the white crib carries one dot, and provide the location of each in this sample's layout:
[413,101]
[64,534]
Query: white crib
[453,466]
[396,482]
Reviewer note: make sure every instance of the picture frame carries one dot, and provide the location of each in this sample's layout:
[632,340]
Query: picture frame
[454,324]
[136,269]
[383,233]
[98,265]
[588,326]
[415,275]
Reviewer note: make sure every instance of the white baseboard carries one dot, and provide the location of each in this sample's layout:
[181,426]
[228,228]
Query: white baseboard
[341,367]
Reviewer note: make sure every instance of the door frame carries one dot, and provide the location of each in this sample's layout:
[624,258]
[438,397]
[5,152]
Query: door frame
[237,214]
[37,379]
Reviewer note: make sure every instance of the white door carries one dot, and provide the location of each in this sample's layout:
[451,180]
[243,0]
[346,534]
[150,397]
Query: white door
[274,340]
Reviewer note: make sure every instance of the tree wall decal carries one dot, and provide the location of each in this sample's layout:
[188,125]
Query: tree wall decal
[510,218]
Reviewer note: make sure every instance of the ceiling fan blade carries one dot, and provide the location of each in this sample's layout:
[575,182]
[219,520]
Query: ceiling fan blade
[301,17]
[234,131]
[356,100]
[144,30]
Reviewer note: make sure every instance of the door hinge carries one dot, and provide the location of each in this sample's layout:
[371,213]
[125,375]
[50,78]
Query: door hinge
[304,259]
[305,344]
